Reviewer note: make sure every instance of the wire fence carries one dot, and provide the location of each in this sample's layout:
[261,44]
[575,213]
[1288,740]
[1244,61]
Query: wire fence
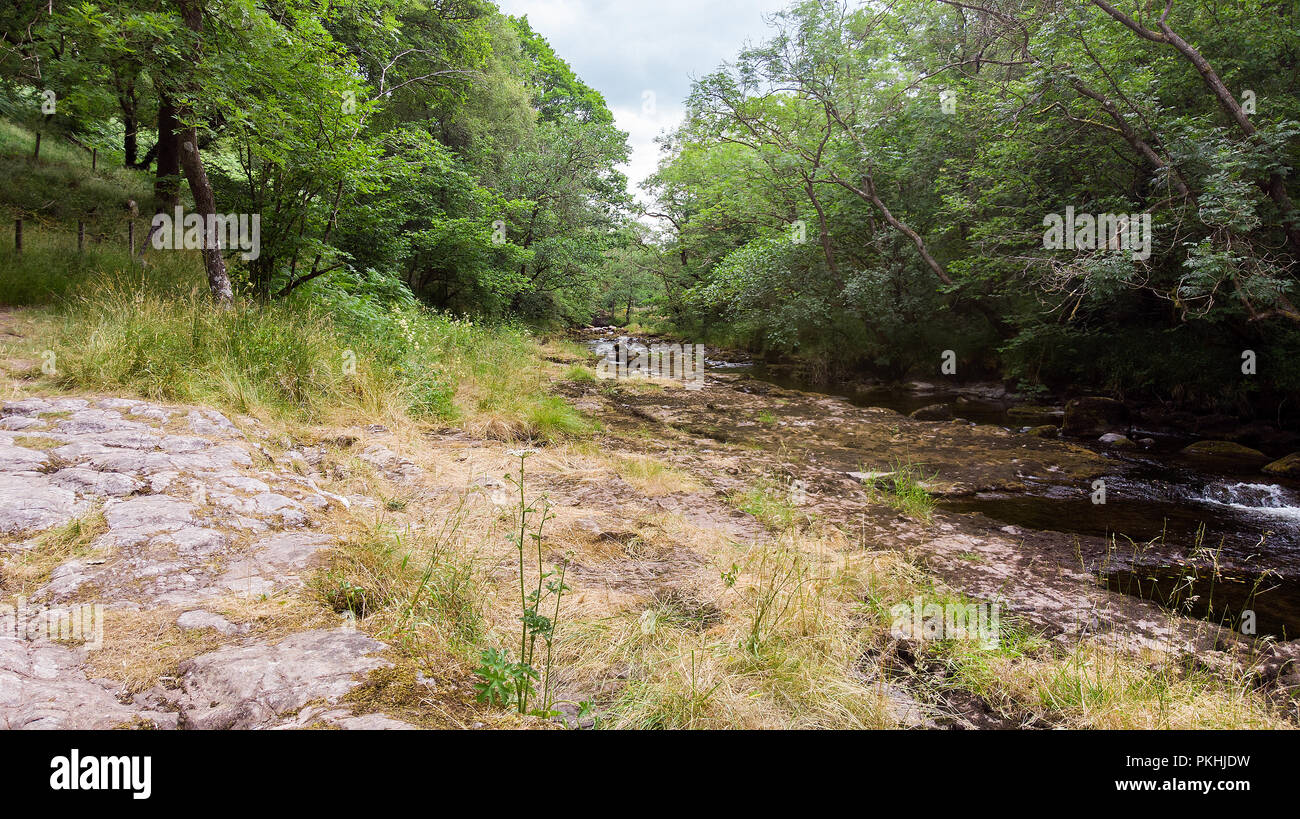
[127,235]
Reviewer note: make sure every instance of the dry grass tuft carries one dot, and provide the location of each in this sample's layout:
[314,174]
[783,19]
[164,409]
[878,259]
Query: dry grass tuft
[652,477]
[26,568]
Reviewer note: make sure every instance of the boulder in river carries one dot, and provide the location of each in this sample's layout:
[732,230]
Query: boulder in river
[1288,467]
[1044,431]
[1114,439]
[1034,416]
[1093,415]
[933,412]
[1225,452]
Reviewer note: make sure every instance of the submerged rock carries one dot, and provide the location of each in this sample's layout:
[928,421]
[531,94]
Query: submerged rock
[1032,416]
[1225,452]
[1288,467]
[933,412]
[1114,439]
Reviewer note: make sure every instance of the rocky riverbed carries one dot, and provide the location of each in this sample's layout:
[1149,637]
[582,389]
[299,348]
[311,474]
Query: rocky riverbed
[1017,519]
[191,517]
[200,535]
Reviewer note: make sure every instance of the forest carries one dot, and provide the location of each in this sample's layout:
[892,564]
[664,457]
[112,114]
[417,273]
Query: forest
[863,190]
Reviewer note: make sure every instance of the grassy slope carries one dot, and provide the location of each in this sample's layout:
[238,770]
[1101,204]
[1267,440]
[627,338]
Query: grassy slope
[114,324]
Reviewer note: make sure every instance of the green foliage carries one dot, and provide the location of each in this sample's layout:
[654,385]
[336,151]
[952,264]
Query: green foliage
[440,145]
[501,679]
[787,189]
[343,345]
[769,501]
[903,489]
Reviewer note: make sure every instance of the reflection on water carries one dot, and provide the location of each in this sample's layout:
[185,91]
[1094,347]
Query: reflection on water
[1167,535]
[1224,598]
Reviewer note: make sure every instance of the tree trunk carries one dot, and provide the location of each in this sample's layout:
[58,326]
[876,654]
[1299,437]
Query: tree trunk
[130,129]
[205,205]
[192,163]
[129,140]
[868,192]
[166,183]
[126,100]
[149,156]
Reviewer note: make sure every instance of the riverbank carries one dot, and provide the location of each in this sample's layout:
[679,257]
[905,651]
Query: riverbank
[701,591]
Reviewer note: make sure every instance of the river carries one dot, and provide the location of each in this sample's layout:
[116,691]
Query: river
[1210,541]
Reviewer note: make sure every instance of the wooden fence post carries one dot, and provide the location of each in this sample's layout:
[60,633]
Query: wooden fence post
[18,235]
[130,236]
[36,153]
[81,236]
[94,158]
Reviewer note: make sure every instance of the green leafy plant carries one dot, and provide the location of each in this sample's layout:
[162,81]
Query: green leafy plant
[540,594]
[501,680]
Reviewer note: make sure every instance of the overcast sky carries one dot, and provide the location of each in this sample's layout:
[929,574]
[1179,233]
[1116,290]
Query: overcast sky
[627,49]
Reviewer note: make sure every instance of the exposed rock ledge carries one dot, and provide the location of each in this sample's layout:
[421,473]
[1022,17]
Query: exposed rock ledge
[193,512]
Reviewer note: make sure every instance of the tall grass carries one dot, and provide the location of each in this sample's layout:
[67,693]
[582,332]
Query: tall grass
[323,357]
[346,348]
[273,358]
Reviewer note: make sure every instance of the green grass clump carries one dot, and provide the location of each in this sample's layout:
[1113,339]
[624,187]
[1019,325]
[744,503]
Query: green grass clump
[769,502]
[275,358]
[414,586]
[579,372]
[904,490]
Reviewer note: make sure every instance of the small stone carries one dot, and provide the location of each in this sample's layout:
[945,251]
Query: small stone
[1114,439]
[934,412]
[198,620]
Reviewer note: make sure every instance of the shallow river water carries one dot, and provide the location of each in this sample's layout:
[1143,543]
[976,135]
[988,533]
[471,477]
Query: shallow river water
[1210,542]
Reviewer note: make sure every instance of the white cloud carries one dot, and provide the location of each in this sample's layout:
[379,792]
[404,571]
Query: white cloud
[625,48]
[642,127]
